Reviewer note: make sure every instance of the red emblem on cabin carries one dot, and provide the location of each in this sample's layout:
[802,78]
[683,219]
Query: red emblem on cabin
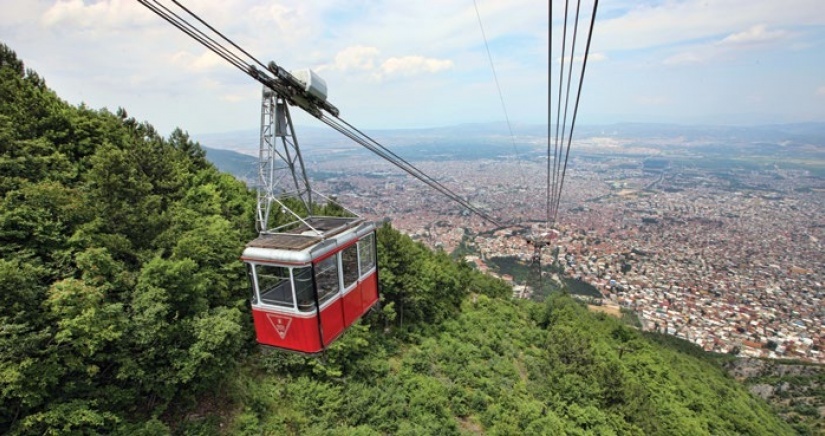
[280,323]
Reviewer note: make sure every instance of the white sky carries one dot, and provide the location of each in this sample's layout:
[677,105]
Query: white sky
[421,63]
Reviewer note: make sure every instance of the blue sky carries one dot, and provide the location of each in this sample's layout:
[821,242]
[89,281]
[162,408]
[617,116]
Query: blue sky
[402,64]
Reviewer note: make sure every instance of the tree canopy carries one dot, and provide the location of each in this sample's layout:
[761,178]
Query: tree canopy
[122,291]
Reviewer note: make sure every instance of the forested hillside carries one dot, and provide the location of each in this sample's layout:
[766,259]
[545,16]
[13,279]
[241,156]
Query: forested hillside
[499,367]
[121,291]
[123,310]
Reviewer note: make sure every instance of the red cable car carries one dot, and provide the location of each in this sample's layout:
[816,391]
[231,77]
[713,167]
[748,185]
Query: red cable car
[314,277]
[310,283]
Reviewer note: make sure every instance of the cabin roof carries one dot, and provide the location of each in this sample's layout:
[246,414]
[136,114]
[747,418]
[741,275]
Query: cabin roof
[284,241]
[303,236]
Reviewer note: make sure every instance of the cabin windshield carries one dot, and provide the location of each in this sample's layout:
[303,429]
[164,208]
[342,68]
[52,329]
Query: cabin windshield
[326,278]
[303,288]
[252,283]
[273,285]
[349,265]
[366,253]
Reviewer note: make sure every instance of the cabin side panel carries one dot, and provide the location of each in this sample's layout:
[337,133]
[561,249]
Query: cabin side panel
[287,331]
[352,305]
[332,320]
[369,291]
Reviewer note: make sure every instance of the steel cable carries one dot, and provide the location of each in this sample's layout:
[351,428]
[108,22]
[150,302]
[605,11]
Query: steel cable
[332,120]
[578,98]
[501,97]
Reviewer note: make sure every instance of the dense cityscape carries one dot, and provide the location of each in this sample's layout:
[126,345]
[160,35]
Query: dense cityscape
[729,259]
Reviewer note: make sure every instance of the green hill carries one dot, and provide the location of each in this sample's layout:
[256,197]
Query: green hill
[240,165]
[121,292]
[498,367]
[123,308]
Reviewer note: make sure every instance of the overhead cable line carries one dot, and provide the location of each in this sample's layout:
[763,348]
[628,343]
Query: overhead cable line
[556,170]
[578,96]
[559,150]
[219,33]
[196,34]
[549,110]
[281,82]
[500,96]
[370,144]
[556,148]
[563,125]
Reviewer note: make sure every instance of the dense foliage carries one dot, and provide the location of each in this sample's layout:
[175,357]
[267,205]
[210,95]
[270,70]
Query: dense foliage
[123,310]
[121,291]
[499,367]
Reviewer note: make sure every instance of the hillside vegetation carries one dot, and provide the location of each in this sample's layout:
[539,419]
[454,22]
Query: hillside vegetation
[121,291]
[123,308]
[499,367]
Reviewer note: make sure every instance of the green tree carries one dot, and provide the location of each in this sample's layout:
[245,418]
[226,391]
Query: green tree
[120,286]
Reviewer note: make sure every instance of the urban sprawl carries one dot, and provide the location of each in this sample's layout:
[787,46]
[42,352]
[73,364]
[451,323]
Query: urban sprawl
[731,260]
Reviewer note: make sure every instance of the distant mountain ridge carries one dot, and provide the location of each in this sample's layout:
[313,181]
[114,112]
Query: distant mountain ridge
[249,139]
[240,165]
[787,144]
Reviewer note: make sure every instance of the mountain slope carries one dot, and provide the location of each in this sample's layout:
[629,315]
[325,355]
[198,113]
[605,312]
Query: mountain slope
[240,165]
[121,292]
[501,367]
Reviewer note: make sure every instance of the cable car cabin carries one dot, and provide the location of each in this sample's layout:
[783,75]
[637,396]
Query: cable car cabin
[308,288]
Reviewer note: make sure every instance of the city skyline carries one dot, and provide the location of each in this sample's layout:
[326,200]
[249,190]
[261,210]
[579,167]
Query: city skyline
[421,64]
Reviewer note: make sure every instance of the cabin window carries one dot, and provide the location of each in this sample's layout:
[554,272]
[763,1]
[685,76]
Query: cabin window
[326,278]
[274,286]
[366,253]
[249,274]
[349,265]
[303,288]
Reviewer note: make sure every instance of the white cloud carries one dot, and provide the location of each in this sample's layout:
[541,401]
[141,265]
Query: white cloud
[757,36]
[672,22]
[236,97]
[20,13]
[356,57]
[445,25]
[754,35]
[108,13]
[412,65]
[117,53]
[206,61]
[686,58]
[367,59]
[293,24]
[594,57]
